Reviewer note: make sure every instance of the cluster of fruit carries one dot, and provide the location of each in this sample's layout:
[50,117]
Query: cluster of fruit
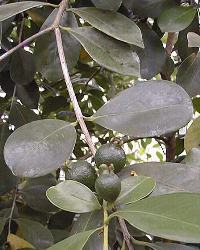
[110,158]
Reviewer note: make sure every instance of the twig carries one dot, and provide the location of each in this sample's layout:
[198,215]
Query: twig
[91,77]
[170,42]
[126,235]
[12,210]
[170,144]
[25,42]
[105,229]
[68,82]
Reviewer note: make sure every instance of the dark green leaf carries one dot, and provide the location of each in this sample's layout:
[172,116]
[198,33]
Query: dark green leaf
[35,233]
[107,4]
[47,59]
[112,24]
[169,177]
[22,67]
[152,57]
[172,216]
[148,8]
[192,138]
[108,52]
[35,189]
[77,241]
[9,10]
[135,188]
[61,220]
[188,75]
[180,18]
[20,115]
[73,196]
[39,147]
[2,223]
[174,246]
[151,116]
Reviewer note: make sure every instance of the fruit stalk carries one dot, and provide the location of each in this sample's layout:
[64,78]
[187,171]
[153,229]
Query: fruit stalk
[105,227]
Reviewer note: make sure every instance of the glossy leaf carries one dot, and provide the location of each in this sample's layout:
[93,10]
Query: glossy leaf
[150,116]
[20,115]
[188,75]
[35,233]
[9,10]
[169,177]
[192,138]
[22,67]
[39,147]
[135,188]
[77,241]
[180,18]
[112,24]
[172,216]
[107,4]
[193,39]
[108,52]
[73,196]
[47,59]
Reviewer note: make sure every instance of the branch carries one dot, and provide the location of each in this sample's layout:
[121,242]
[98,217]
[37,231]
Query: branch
[126,235]
[68,82]
[12,210]
[25,42]
[170,42]
[170,144]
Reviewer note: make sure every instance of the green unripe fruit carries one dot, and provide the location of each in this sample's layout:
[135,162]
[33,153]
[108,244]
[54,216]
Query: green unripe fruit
[108,187]
[111,154]
[83,172]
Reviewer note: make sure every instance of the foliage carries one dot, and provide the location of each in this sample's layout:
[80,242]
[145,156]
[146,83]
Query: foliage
[76,75]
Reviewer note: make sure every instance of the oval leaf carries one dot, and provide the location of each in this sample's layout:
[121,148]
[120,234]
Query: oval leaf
[108,52]
[11,9]
[112,24]
[77,241]
[165,107]
[107,5]
[192,138]
[73,196]
[39,147]
[172,216]
[135,188]
[180,18]
[169,177]
[22,67]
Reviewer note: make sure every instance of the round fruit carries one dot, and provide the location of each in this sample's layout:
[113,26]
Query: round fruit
[108,186]
[111,154]
[83,172]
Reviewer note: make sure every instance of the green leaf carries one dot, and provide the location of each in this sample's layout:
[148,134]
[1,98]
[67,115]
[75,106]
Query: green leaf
[149,8]
[112,24]
[174,246]
[20,115]
[36,189]
[73,196]
[135,188]
[46,53]
[2,223]
[39,147]
[88,221]
[153,56]
[192,138]
[22,67]
[150,116]
[188,75]
[11,9]
[108,52]
[172,216]
[77,241]
[176,18]
[193,39]
[107,4]
[169,177]
[35,233]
